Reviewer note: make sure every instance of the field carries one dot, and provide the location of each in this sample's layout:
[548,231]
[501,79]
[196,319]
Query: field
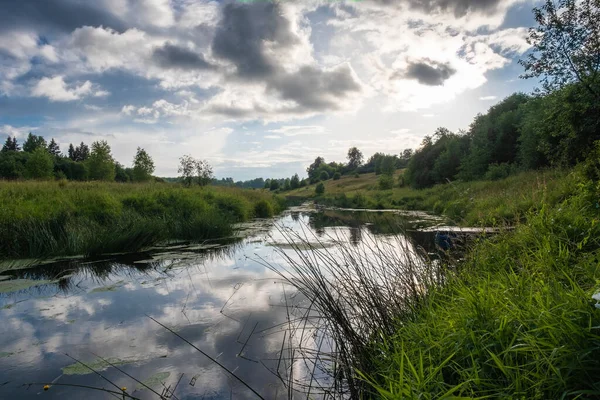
[466,203]
[67,218]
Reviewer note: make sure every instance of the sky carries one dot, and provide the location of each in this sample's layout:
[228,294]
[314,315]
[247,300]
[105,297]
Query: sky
[256,88]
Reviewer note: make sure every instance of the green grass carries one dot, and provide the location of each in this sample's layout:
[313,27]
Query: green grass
[66,218]
[467,203]
[517,321]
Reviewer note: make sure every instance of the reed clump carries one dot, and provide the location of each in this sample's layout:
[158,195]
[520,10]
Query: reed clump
[39,219]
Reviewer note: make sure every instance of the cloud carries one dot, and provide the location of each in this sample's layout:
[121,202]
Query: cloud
[297,130]
[488,98]
[428,72]
[55,89]
[176,57]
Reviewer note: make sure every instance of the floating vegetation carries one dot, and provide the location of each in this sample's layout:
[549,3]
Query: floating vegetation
[109,288]
[4,354]
[154,380]
[97,365]
[15,285]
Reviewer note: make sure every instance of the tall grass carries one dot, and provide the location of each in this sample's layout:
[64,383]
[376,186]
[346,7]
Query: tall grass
[358,291]
[63,218]
[514,319]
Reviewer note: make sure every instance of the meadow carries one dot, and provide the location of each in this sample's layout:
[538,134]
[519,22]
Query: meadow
[51,218]
[485,202]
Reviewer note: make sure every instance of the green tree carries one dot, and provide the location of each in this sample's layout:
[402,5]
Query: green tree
[194,171]
[40,164]
[355,158]
[143,166]
[100,163]
[313,168]
[53,148]
[33,142]
[566,45]
[274,184]
[337,176]
[388,165]
[204,173]
[10,144]
[324,175]
[12,164]
[320,188]
[295,181]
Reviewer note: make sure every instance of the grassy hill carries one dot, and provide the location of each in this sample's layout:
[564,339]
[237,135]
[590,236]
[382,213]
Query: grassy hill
[469,203]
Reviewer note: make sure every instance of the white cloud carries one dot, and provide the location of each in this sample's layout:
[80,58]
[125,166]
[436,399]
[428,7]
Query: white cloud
[55,89]
[488,98]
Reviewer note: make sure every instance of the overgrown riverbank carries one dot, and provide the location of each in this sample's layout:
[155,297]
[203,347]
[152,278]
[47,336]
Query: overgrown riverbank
[517,321]
[39,219]
[467,203]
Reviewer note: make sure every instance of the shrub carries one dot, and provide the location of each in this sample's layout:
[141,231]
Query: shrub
[263,209]
[386,182]
[337,176]
[498,171]
[320,189]
[324,176]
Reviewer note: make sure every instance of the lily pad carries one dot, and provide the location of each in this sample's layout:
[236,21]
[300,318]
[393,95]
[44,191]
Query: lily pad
[155,380]
[97,365]
[108,288]
[14,285]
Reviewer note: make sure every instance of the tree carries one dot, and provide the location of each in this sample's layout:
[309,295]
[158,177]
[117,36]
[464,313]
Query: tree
[355,158]
[324,175]
[12,164]
[566,45]
[388,165]
[204,172]
[33,142]
[143,166]
[295,181]
[53,148]
[40,164]
[314,167]
[10,144]
[101,165]
[192,170]
[274,184]
[267,184]
[320,188]
[71,152]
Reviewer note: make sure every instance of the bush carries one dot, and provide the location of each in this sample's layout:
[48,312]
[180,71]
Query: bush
[498,171]
[386,182]
[324,176]
[337,176]
[263,209]
[320,189]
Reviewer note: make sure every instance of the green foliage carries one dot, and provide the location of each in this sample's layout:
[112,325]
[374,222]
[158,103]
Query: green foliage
[58,218]
[323,176]
[498,171]
[337,176]
[40,164]
[355,158]
[10,145]
[12,164]
[143,166]
[320,188]
[386,182]
[516,321]
[33,142]
[295,182]
[100,164]
[53,148]
[274,184]
[263,209]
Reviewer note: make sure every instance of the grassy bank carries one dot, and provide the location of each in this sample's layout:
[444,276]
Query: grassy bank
[514,318]
[65,218]
[517,321]
[468,203]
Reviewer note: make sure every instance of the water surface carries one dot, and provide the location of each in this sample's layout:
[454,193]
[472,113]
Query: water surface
[219,295]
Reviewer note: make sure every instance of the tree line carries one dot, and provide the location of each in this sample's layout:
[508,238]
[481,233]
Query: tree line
[38,159]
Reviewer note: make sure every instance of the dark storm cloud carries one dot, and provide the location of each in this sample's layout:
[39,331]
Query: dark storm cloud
[246,36]
[314,89]
[458,7]
[427,72]
[171,56]
[242,32]
[58,15]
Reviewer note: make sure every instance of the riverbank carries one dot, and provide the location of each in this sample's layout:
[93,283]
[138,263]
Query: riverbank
[43,219]
[517,321]
[487,203]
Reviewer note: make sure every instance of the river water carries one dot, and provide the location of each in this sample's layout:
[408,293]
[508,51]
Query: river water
[220,296]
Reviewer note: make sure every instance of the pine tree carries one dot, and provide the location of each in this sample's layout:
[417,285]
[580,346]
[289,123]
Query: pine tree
[53,148]
[10,144]
[71,152]
[33,142]
[84,152]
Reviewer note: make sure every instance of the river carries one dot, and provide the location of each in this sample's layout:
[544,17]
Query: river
[220,296]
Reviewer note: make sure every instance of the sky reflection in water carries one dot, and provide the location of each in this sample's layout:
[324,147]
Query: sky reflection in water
[224,300]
